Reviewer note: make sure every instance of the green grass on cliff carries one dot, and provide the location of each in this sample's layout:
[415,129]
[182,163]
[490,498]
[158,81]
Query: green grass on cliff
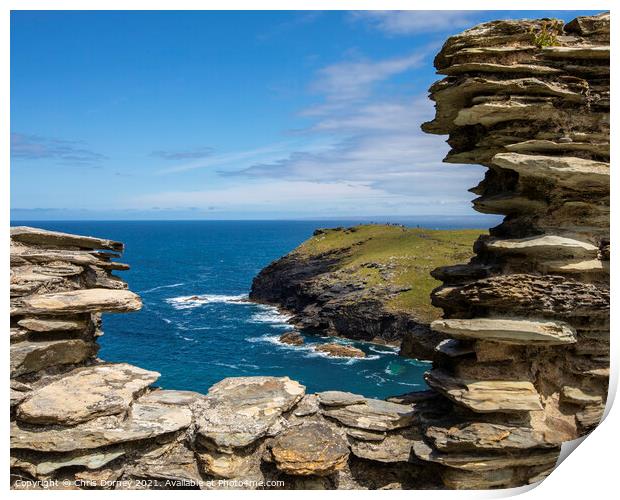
[410,252]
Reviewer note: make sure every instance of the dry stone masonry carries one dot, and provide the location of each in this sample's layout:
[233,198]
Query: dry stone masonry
[524,361]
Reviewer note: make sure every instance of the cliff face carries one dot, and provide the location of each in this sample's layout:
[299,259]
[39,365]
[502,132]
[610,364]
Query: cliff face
[368,282]
[525,361]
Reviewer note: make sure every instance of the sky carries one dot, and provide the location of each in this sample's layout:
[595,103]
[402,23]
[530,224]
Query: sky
[232,115]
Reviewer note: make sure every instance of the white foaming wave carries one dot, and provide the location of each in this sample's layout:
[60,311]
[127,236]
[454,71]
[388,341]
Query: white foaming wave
[377,378]
[348,361]
[387,350]
[193,301]
[308,351]
[272,316]
[239,366]
[410,384]
[270,339]
[174,285]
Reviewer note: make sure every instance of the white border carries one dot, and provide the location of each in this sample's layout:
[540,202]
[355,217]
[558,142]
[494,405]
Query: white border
[587,473]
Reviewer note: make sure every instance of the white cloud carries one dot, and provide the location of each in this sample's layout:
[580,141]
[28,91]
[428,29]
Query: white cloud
[355,79]
[363,153]
[220,160]
[413,22]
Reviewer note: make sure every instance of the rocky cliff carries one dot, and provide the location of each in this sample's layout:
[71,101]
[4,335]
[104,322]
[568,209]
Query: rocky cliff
[368,282]
[523,367]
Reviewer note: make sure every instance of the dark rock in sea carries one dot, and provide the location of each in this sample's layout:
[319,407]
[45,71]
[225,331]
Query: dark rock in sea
[292,338]
[339,350]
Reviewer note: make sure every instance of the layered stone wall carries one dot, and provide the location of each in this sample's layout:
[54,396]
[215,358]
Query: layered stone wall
[524,365]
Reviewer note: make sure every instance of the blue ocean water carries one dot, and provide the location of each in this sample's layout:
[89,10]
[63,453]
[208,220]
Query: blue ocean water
[193,342]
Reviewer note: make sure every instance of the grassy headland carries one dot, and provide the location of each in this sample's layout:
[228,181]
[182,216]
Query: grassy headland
[388,255]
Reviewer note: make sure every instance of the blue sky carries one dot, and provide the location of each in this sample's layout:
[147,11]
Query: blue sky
[242,115]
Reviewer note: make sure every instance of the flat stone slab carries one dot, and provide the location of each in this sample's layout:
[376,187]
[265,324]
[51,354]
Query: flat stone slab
[309,449]
[238,411]
[513,331]
[575,395]
[29,357]
[477,461]
[93,459]
[36,236]
[566,170]
[79,301]
[583,52]
[86,393]
[144,422]
[308,405]
[591,266]
[51,325]
[339,398]
[374,415]
[486,67]
[170,397]
[483,436]
[22,255]
[545,146]
[540,246]
[485,396]
[396,447]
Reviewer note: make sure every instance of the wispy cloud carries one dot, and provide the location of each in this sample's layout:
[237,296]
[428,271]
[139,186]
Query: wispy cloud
[188,154]
[376,141]
[34,147]
[363,152]
[350,80]
[226,159]
[413,22]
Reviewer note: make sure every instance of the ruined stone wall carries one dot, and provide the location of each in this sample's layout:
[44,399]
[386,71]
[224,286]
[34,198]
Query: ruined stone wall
[524,366]
[525,363]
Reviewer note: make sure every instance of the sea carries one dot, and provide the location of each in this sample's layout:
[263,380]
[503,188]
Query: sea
[196,326]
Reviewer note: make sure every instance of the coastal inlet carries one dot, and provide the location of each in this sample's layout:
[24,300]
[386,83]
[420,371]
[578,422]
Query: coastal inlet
[197,327]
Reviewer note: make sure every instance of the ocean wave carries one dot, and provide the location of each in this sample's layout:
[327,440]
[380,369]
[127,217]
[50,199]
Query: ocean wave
[193,301]
[239,366]
[308,351]
[378,379]
[272,316]
[409,384]
[386,350]
[174,285]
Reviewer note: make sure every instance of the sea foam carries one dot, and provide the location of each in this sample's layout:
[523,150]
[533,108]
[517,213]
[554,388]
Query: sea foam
[193,301]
